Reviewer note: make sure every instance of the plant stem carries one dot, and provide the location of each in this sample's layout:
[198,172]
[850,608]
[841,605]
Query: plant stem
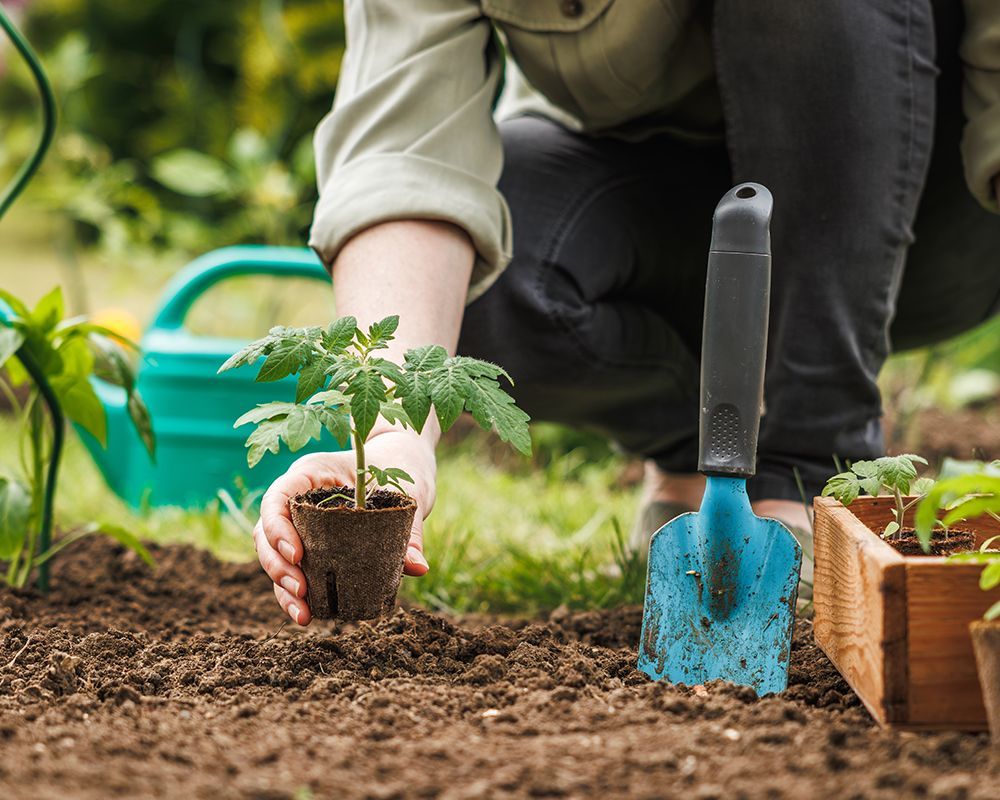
[900,511]
[361,479]
[58,435]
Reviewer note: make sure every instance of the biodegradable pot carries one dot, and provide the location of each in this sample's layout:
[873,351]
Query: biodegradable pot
[897,626]
[986,643]
[353,559]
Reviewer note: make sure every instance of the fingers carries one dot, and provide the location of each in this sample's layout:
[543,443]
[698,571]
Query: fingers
[414,564]
[278,569]
[294,607]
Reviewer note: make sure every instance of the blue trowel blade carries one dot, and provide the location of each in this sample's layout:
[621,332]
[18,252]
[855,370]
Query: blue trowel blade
[720,595]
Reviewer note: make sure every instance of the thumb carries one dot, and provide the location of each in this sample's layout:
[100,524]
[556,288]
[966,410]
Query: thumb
[414,564]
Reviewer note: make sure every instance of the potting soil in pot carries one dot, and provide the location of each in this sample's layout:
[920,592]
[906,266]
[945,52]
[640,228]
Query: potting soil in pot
[179,684]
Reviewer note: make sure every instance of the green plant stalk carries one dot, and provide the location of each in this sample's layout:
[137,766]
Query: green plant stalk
[361,480]
[900,511]
[49,493]
[28,169]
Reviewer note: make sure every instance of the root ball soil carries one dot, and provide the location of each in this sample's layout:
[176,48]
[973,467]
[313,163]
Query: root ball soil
[178,684]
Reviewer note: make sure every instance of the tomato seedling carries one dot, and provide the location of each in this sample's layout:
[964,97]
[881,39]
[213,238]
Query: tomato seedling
[894,475]
[344,387]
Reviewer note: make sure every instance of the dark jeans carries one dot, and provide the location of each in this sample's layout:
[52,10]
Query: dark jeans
[598,317]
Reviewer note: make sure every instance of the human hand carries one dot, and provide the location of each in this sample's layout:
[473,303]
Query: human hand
[279,548]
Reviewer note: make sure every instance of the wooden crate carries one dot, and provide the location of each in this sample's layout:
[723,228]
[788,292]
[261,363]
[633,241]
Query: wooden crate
[897,627]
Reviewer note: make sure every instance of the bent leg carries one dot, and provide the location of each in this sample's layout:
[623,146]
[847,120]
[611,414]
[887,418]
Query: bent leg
[832,111]
[598,315]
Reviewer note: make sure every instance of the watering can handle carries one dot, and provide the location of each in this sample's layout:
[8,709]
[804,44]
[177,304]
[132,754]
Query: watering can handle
[734,340]
[230,262]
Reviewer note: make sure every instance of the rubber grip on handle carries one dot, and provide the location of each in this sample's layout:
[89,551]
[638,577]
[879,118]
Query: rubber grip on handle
[735,332]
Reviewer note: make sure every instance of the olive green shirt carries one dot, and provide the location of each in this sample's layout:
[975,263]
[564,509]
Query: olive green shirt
[412,133]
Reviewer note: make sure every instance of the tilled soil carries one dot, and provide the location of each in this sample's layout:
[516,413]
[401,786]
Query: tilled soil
[179,684]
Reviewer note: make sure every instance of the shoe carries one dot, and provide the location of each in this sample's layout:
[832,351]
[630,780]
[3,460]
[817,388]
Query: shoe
[653,516]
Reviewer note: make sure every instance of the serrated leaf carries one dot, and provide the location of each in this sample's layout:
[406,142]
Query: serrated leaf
[266,438]
[15,512]
[864,469]
[476,368]
[301,425]
[381,333]
[312,378]
[10,340]
[414,391]
[844,487]
[367,393]
[395,413]
[338,423]
[286,357]
[264,411]
[142,422]
[449,387]
[339,335]
[82,405]
[343,371]
[331,397]
[493,408]
[897,472]
[425,359]
[872,486]
[247,355]
[386,369]
[922,485]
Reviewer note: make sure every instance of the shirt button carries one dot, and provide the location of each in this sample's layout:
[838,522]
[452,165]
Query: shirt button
[571,8]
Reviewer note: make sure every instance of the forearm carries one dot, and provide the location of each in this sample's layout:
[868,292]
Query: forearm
[418,269]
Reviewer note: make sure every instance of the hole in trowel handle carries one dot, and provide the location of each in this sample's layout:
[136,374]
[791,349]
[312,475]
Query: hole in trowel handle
[746,192]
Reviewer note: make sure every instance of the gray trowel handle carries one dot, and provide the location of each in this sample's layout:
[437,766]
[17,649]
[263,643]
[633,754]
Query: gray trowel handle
[735,332]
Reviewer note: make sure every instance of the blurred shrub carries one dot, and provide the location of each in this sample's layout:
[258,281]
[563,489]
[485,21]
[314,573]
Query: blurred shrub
[183,124]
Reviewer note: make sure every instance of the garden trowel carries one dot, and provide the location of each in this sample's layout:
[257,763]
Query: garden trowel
[722,582]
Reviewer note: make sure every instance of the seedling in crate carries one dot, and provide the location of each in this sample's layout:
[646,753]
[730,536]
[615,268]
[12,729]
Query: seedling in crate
[344,387]
[893,475]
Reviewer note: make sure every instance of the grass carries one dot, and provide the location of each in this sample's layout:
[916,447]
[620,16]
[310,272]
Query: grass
[504,537]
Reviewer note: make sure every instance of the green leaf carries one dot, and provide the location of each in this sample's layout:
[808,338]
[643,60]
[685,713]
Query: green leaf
[946,491]
[191,173]
[111,364]
[414,389]
[15,512]
[301,425]
[48,312]
[128,539]
[266,438]
[247,355]
[367,393]
[393,476]
[922,485]
[381,333]
[990,577]
[82,405]
[387,369]
[312,378]
[492,407]
[890,530]
[865,469]
[76,359]
[264,411]
[897,472]
[16,305]
[331,397]
[338,423]
[286,357]
[343,371]
[449,386]
[844,486]
[425,359]
[339,336]
[993,612]
[138,412]
[395,413]
[10,340]
[972,506]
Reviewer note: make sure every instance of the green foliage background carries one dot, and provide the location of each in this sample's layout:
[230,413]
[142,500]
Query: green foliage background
[184,124]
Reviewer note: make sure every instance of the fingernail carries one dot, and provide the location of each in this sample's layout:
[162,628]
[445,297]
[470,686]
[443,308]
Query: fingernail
[287,551]
[293,612]
[416,557]
[290,584]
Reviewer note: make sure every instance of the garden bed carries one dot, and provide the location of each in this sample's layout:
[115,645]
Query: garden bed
[175,685]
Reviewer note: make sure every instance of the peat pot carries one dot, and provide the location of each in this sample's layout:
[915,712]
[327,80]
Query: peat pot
[986,643]
[353,559]
[897,626]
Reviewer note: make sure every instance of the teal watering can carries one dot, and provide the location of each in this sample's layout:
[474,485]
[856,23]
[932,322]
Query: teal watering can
[193,409]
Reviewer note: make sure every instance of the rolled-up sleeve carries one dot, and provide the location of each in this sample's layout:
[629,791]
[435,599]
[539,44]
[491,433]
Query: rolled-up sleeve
[981,140]
[411,134]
